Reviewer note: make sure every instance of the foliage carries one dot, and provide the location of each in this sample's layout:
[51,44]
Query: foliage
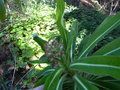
[81,71]
[2,10]
[85,17]
[21,34]
[20,29]
[89,20]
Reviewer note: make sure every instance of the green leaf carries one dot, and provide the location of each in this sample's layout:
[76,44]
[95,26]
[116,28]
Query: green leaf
[110,23]
[2,11]
[5,1]
[47,70]
[41,81]
[112,48]
[38,61]
[82,44]
[111,85]
[72,39]
[83,84]
[59,19]
[40,41]
[43,59]
[60,83]
[53,80]
[100,65]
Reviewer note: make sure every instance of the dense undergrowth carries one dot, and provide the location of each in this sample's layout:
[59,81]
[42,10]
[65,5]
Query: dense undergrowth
[41,20]
[19,30]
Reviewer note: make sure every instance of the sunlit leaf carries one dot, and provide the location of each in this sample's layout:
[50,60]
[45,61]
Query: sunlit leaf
[100,65]
[59,19]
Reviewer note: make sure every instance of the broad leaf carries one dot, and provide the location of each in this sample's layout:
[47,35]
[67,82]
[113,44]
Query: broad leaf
[107,26]
[2,11]
[112,48]
[53,80]
[40,41]
[100,65]
[82,84]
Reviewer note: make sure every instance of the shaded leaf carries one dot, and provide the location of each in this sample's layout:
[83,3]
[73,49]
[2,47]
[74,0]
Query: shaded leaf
[110,23]
[40,41]
[72,39]
[47,70]
[2,11]
[53,80]
[82,84]
[60,83]
[112,48]
[41,81]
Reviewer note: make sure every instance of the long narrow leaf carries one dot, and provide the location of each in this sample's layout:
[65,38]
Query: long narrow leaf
[107,26]
[108,84]
[72,39]
[112,48]
[2,11]
[40,41]
[53,79]
[41,81]
[60,83]
[47,70]
[100,65]
[82,84]
[59,20]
